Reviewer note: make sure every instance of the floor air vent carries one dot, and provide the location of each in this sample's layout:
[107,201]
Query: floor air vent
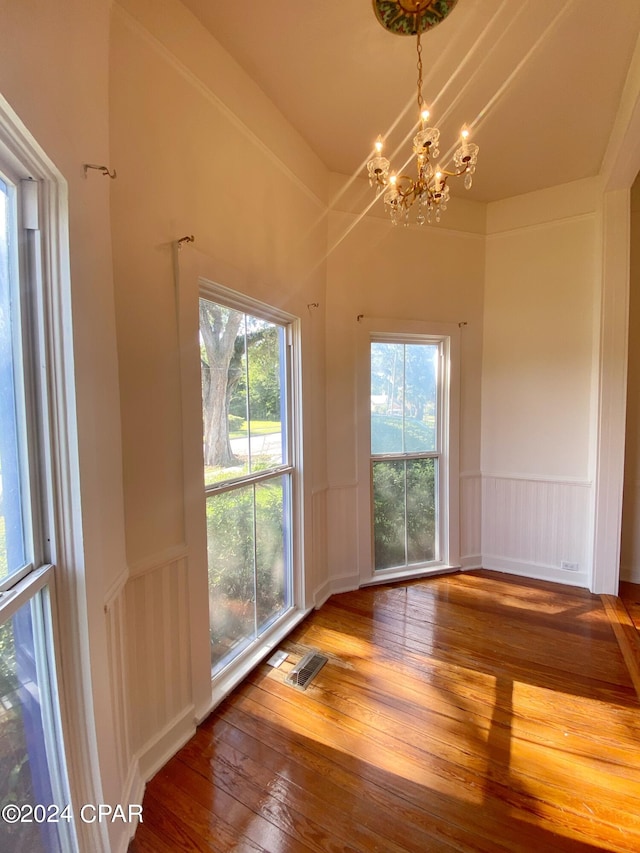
[305,671]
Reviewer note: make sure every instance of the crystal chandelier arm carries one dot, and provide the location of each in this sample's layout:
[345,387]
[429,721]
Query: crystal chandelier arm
[446,174]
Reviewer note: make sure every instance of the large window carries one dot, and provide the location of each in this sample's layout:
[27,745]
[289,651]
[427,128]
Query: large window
[248,467]
[411,416]
[32,770]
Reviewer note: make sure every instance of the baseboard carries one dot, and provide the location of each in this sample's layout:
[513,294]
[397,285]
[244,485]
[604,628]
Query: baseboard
[321,594]
[133,793]
[630,573]
[346,583]
[472,561]
[146,763]
[537,571]
[166,743]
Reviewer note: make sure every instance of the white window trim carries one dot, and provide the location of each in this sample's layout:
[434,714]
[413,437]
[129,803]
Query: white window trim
[26,159]
[402,331]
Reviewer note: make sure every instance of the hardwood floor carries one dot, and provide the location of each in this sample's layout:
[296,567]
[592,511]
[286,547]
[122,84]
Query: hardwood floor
[469,712]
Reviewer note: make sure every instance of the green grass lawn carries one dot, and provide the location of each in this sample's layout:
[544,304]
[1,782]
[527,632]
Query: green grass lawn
[257,428]
[386,434]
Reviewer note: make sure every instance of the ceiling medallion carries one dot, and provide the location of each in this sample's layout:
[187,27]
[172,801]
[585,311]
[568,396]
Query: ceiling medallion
[429,188]
[410,17]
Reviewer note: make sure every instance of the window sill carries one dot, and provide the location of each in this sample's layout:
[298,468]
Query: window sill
[223,683]
[393,576]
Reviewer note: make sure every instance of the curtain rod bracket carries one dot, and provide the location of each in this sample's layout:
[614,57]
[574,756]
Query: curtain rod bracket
[103,169]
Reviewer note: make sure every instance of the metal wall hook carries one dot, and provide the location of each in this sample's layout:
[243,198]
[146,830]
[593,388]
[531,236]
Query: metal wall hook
[103,169]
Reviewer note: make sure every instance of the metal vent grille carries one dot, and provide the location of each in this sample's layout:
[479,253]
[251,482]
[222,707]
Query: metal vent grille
[306,670]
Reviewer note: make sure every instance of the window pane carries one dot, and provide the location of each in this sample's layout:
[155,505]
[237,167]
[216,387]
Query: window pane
[12,541]
[387,398]
[404,515]
[230,546]
[243,364]
[421,362]
[245,433]
[421,510]
[264,383]
[224,398]
[389,514]
[272,550]
[404,398]
[28,759]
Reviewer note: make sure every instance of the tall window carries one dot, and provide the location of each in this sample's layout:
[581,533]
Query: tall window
[32,771]
[406,451]
[248,468]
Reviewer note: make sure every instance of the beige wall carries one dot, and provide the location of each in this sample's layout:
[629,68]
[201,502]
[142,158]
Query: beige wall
[537,355]
[630,546]
[541,284]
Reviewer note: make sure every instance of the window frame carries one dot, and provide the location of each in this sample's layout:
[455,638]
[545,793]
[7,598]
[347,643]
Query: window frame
[246,305]
[197,272]
[33,584]
[441,444]
[44,254]
[447,335]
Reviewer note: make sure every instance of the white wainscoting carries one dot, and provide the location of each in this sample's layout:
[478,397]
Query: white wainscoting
[317,572]
[342,544]
[471,520]
[530,525]
[147,625]
[158,660]
[117,652]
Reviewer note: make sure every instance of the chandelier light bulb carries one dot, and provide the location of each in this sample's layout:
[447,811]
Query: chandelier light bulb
[424,114]
[464,134]
[378,145]
[392,179]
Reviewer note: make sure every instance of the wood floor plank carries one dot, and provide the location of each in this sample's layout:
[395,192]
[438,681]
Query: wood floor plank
[464,711]
[371,703]
[490,660]
[471,713]
[449,777]
[330,821]
[410,804]
[525,637]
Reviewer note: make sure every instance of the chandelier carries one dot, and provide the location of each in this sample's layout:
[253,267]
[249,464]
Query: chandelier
[429,189]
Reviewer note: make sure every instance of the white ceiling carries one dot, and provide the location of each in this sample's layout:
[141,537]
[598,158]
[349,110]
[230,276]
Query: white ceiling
[537,81]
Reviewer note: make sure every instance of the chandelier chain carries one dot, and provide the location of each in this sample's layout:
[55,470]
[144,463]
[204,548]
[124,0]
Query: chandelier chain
[420,98]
